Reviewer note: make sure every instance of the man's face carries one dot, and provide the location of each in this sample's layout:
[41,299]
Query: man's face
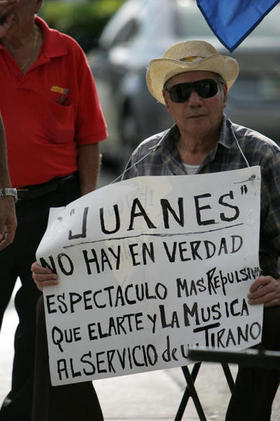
[197,114]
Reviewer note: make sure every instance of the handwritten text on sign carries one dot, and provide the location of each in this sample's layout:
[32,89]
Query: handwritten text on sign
[148,266]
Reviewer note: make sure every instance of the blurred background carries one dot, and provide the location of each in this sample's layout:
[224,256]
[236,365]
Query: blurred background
[120,37]
[84,20]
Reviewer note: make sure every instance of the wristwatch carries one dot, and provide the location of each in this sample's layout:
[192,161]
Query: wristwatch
[9,191]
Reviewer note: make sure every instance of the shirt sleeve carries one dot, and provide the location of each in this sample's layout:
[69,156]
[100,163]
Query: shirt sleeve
[91,126]
[270,217]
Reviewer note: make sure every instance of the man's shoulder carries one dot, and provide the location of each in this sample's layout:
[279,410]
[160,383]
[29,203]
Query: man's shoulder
[250,135]
[67,39]
[57,42]
[151,143]
[146,159]
[257,148]
[69,44]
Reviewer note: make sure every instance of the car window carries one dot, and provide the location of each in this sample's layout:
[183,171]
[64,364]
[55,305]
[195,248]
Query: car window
[256,89]
[126,33]
[122,27]
[141,19]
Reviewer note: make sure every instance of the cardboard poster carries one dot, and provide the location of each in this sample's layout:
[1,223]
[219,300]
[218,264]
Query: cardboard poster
[149,266]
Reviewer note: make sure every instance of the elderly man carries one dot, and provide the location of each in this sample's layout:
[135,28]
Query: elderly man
[53,123]
[193,80]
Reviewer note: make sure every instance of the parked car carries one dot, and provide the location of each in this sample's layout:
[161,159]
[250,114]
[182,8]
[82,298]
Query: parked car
[144,29]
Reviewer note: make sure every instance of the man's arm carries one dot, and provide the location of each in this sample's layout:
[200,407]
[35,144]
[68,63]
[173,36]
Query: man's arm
[8,222]
[88,165]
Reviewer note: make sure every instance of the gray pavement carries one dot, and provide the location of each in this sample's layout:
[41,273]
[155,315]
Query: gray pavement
[141,397]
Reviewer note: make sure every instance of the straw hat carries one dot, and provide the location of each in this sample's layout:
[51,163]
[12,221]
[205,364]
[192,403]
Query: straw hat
[189,56]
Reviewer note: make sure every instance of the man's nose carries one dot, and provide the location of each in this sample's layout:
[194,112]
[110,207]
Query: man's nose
[194,99]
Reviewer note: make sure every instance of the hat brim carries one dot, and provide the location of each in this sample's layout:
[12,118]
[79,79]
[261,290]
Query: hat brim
[162,69]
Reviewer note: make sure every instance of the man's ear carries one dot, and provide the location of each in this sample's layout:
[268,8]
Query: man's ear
[166,99]
[225,95]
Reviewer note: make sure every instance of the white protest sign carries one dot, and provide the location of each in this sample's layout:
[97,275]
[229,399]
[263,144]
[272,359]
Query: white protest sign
[149,266]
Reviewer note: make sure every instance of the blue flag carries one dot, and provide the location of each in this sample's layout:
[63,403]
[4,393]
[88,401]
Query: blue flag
[233,20]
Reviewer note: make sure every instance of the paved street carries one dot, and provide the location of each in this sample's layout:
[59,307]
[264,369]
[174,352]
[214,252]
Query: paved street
[149,396]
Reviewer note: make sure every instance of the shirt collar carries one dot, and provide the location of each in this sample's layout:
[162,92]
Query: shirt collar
[167,139]
[227,137]
[53,44]
[170,136]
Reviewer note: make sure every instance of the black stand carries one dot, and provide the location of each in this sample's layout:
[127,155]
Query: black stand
[190,390]
[247,358]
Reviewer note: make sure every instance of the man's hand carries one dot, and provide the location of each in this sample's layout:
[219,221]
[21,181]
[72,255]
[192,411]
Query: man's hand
[6,15]
[43,277]
[8,221]
[265,290]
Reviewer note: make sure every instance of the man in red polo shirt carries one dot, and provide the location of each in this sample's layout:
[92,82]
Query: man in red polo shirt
[53,124]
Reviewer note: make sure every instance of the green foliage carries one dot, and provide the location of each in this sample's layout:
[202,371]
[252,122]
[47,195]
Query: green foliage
[83,20]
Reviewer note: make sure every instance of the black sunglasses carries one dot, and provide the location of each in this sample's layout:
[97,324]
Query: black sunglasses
[206,88]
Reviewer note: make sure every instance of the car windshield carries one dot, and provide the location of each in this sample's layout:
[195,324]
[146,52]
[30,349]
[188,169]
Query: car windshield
[191,22]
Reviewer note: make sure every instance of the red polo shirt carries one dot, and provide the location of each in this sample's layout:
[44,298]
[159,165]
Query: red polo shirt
[49,110]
